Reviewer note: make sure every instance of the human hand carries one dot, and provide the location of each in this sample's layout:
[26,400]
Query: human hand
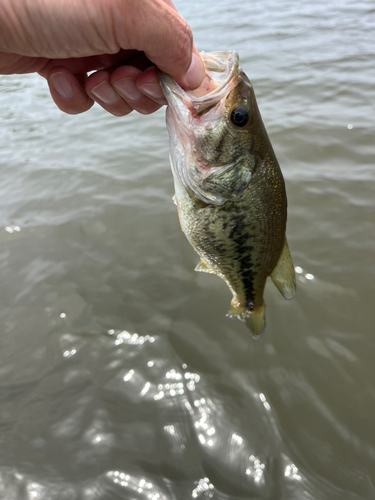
[121,40]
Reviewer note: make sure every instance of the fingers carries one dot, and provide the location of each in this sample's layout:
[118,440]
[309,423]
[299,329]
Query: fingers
[125,89]
[140,89]
[118,93]
[99,88]
[67,92]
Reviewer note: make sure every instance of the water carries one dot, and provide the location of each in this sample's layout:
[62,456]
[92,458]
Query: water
[120,377]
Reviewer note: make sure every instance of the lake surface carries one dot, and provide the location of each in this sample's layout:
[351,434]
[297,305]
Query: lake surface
[120,376]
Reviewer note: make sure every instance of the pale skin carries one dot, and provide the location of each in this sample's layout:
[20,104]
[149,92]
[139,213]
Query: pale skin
[122,41]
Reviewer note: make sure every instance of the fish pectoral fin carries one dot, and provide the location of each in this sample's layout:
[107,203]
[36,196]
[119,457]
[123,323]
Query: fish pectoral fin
[283,274]
[229,181]
[197,202]
[203,267]
[174,199]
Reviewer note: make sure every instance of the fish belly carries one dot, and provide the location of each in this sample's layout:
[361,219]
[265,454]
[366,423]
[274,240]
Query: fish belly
[240,241]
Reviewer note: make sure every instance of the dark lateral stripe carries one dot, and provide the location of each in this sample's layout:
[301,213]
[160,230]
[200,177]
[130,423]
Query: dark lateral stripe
[243,250]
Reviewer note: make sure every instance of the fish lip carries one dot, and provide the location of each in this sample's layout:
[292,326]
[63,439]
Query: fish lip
[218,62]
[182,111]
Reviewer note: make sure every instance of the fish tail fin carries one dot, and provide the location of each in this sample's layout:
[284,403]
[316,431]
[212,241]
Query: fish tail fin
[255,319]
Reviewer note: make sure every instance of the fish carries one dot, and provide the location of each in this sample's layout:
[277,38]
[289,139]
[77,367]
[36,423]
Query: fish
[229,189]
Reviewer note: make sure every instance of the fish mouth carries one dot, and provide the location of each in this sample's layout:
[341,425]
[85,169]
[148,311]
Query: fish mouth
[221,72]
[186,110]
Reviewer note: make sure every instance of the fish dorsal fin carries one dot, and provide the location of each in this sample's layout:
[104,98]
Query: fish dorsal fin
[283,274]
[203,267]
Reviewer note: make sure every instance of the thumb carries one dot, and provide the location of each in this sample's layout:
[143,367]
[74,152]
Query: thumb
[166,39]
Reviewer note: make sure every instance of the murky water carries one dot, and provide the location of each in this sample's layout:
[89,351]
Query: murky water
[120,377]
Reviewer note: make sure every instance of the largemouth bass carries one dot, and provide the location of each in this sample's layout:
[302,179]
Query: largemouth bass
[229,189]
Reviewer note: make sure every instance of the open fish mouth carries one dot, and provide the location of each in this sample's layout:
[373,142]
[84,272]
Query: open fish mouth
[186,113]
[220,78]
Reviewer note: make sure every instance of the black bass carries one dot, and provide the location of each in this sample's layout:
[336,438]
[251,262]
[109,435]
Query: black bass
[229,189]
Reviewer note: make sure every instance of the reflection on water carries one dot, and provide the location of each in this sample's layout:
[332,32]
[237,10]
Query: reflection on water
[120,377]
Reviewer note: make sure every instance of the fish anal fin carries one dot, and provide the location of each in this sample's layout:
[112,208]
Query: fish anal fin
[203,267]
[283,275]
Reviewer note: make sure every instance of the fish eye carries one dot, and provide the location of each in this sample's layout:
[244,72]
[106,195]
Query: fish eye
[239,117]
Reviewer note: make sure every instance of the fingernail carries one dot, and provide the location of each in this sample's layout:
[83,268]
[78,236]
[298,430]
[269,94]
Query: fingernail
[195,73]
[61,83]
[127,88]
[105,93]
[152,90]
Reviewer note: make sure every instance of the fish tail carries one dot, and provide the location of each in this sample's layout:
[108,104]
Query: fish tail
[255,319]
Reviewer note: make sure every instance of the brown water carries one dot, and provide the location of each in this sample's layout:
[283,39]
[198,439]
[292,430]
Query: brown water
[120,377]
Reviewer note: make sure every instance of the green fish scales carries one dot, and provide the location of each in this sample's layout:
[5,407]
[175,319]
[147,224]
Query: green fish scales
[229,188]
